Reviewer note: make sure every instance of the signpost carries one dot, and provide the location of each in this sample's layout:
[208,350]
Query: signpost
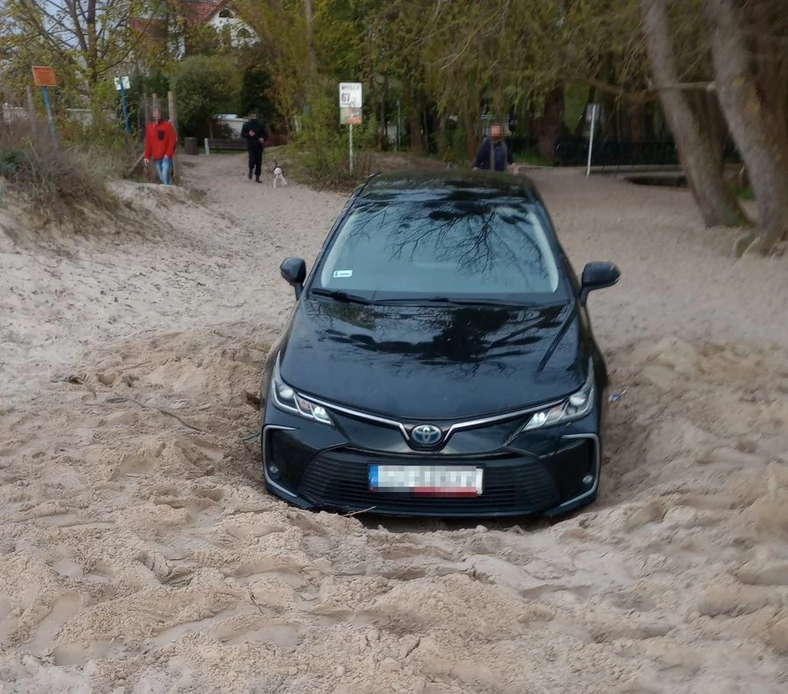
[122,85]
[591,115]
[350,102]
[44,77]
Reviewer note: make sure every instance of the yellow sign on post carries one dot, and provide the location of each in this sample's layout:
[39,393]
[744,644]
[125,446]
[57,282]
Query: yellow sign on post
[44,76]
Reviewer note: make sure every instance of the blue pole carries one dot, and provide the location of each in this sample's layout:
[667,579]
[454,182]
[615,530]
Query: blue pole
[51,118]
[125,110]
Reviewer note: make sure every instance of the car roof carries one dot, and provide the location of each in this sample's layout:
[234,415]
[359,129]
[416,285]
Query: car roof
[452,184]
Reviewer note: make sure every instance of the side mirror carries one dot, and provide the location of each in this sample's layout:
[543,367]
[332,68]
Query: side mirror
[597,276]
[294,272]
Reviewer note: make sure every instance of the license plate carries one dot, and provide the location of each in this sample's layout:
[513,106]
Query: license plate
[426,480]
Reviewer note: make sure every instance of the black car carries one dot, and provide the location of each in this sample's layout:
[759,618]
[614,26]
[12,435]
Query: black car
[439,360]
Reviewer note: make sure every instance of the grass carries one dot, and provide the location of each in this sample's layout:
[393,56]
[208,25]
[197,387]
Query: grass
[57,183]
[372,162]
[366,163]
[531,157]
[331,171]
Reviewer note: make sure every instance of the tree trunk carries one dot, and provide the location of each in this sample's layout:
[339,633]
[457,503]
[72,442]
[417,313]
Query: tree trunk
[707,110]
[414,129]
[383,126]
[770,36]
[310,37]
[92,57]
[760,136]
[636,118]
[625,117]
[649,130]
[426,130]
[469,116]
[717,202]
[549,126]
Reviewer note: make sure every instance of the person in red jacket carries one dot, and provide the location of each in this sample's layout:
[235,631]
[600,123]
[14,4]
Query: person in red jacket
[160,143]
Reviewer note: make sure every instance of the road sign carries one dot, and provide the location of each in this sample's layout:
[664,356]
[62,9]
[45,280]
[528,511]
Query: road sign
[122,84]
[44,76]
[350,102]
[350,95]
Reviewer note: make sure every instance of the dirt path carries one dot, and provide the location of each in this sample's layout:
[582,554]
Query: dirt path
[138,552]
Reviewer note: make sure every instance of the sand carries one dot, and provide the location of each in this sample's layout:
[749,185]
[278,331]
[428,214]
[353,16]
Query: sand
[139,552]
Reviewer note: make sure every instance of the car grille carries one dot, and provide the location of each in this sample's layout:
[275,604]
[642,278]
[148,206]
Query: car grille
[512,484]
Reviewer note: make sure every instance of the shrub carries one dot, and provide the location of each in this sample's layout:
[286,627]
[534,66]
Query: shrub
[11,161]
[59,183]
[204,86]
[321,145]
[256,85]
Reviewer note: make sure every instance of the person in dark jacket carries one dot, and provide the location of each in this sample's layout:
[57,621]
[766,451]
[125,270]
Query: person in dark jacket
[255,136]
[494,154]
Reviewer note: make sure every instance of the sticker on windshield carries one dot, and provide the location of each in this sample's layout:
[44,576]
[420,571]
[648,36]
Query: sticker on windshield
[343,273]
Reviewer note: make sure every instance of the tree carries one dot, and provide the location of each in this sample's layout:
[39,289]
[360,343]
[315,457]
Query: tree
[85,40]
[523,53]
[310,36]
[759,129]
[256,85]
[716,200]
[204,86]
[281,26]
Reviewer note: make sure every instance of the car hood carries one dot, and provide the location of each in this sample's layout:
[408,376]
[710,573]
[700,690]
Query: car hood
[433,363]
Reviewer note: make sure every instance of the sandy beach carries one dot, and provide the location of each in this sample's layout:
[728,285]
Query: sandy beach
[139,552]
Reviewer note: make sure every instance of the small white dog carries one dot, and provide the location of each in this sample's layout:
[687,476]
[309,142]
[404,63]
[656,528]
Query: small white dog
[279,176]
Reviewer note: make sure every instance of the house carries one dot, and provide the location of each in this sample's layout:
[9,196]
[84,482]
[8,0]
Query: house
[224,20]
[191,14]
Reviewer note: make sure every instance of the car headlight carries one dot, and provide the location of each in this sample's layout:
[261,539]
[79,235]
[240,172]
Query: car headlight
[286,398]
[577,405]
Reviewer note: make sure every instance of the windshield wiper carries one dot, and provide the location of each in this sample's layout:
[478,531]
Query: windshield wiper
[339,295]
[451,302]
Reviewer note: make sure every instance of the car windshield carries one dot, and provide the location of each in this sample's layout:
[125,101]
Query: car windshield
[442,249]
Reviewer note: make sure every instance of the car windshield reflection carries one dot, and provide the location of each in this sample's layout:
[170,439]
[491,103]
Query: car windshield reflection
[443,250]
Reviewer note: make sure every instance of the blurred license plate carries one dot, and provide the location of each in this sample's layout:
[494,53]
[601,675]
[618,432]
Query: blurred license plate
[426,480]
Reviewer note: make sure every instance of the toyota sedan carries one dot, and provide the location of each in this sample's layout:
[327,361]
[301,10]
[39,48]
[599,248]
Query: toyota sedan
[439,360]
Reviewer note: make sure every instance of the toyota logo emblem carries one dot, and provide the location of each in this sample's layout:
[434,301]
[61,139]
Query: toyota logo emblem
[426,435]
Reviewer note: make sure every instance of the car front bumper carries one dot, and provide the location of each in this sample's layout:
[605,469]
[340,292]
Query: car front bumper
[546,473]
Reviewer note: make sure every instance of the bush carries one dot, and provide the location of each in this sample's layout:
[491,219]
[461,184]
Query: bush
[321,145]
[58,182]
[256,85]
[204,86]
[11,161]
[104,142]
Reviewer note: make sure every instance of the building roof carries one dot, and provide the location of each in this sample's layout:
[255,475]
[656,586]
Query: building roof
[154,28]
[199,11]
